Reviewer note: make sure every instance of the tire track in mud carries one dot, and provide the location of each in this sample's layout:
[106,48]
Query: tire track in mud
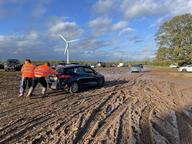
[86,133]
[58,128]
[29,104]
[54,101]
[103,115]
[146,125]
[25,128]
[45,110]
[71,114]
[143,128]
[22,109]
[185,132]
[82,132]
[92,132]
[120,115]
[37,107]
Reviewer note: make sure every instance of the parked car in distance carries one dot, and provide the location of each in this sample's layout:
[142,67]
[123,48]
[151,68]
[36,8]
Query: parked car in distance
[75,77]
[173,66]
[120,64]
[186,68]
[136,68]
[1,66]
[101,64]
[113,65]
[12,65]
[92,66]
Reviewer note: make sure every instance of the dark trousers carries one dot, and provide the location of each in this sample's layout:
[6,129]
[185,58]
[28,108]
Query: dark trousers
[40,80]
[25,82]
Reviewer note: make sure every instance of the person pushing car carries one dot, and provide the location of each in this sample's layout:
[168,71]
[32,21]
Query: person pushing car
[41,72]
[27,72]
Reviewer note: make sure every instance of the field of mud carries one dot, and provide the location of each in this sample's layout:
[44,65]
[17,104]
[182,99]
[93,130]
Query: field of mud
[151,107]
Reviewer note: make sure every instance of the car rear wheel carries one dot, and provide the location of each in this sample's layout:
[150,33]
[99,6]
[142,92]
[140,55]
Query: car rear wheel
[74,87]
[100,82]
[184,70]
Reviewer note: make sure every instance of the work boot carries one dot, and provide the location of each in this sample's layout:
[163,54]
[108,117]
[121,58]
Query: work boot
[21,94]
[44,90]
[30,92]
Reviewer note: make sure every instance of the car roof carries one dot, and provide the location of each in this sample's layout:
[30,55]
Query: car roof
[136,65]
[12,60]
[74,66]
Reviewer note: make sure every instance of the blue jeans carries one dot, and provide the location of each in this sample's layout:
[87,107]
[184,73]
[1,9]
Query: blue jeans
[25,81]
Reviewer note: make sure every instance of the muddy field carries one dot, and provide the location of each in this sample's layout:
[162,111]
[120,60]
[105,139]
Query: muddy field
[149,107]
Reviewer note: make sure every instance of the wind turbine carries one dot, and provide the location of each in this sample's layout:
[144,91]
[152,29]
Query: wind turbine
[66,50]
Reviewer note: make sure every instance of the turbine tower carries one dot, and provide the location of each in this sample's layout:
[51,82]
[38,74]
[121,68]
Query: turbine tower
[66,50]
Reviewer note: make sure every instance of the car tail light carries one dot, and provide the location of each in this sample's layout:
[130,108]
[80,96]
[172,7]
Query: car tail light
[65,76]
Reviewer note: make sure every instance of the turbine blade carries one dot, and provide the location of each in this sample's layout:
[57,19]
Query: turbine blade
[63,38]
[74,40]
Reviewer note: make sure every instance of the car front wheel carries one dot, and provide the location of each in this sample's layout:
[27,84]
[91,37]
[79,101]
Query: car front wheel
[100,82]
[74,87]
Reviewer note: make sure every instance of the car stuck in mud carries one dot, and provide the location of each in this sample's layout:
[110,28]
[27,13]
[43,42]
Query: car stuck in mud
[75,77]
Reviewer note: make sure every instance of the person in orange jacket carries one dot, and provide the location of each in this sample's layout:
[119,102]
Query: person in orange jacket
[27,74]
[41,72]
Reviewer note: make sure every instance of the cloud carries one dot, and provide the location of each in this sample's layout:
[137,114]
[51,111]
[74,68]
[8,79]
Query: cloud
[126,30]
[119,25]
[135,39]
[103,6]
[135,8]
[38,11]
[179,7]
[138,8]
[69,29]
[19,41]
[91,44]
[159,21]
[142,8]
[29,45]
[110,19]
[40,8]
[100,25]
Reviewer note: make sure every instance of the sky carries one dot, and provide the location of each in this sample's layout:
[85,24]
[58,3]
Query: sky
[108,30]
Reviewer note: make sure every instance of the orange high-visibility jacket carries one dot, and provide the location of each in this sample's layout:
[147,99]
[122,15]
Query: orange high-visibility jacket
[43,71]
[27,70]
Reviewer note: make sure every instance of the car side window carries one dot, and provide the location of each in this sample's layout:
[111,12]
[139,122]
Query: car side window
[60,70]
[78,70]
[69,71]
[88,70]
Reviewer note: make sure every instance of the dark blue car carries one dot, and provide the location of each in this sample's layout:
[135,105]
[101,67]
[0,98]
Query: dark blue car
[75,77]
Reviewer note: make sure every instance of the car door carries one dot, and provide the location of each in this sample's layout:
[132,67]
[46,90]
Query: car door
[90,76]
[189,69]
[82,77]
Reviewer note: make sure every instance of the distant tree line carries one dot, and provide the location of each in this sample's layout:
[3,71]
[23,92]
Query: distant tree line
[174,39]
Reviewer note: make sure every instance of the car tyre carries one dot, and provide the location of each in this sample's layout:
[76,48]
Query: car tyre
[101,82]
[184,70]
[74,88]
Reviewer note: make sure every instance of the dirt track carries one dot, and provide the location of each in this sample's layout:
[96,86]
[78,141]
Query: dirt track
[144,108]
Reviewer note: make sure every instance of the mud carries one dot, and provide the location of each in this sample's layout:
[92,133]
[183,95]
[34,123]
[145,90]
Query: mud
[140,108]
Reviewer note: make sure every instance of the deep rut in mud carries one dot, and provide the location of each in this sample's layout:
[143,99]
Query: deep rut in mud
[131,108]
